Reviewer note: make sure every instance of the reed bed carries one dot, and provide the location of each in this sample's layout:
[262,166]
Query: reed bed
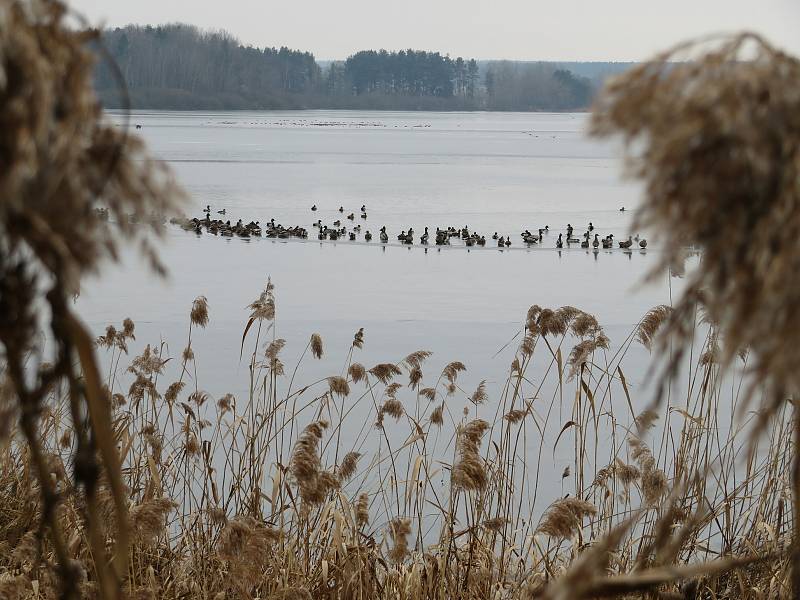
[382,482]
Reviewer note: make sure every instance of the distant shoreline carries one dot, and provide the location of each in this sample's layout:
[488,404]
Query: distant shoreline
[181,101]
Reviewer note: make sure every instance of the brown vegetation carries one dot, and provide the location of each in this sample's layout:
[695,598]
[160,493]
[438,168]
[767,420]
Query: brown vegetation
[125,485]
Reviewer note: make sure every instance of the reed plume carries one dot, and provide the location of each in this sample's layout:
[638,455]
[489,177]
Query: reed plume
[469,471]
[384,372]
[316,345]
[564,518]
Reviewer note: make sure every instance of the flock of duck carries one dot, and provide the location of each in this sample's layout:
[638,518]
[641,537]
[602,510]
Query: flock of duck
[442,237]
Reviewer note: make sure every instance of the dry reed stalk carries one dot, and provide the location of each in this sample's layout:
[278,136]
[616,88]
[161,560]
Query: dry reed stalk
[716,143]
[316,345]
[564,518]
[469,471]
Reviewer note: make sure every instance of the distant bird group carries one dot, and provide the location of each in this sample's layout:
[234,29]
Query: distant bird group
[240,229]
[442,236]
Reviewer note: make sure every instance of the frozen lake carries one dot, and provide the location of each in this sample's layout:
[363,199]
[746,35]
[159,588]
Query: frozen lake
[491,172]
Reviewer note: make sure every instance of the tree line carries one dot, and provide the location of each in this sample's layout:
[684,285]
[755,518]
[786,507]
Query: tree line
[181,67]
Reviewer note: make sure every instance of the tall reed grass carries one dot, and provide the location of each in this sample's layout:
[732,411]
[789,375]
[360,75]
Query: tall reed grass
[383,482]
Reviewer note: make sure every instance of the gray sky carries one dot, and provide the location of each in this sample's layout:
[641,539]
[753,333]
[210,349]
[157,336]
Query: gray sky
[514,29]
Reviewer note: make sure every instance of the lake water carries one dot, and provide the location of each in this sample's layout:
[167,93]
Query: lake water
[492,172]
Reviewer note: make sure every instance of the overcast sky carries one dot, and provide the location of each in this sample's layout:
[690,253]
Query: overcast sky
[514,29]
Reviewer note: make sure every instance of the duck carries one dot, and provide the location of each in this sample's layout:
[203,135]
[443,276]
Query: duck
[495,236]
[469,242]
[643,243]
[364,215]
[626,244]
[384,235]
[337,223]
[608,241]
[508,242]
[585,243]
[313,208]
[529,238]
[596,241]
[207,209]
[591,227]
[221,212]
[622,209]
[351,216]
[482,241]
[501,242]
[424,238]
[368,236]
[352,237]
[363,208]
[560,241]
[341,209]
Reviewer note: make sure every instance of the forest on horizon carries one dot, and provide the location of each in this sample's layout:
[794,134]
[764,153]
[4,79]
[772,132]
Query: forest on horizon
[181,67]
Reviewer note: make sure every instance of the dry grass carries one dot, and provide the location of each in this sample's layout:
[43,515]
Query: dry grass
[240,499]
[134,483]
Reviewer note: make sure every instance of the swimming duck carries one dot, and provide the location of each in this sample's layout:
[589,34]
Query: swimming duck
[352,237]
[351,216]
[591,227]
[596,241]
[363,208]
[341,209]
[314,207]
[529,238]
[368,236]
[384,235]
[508,242]
[642,243]
[501,242]
[221,212]
[495,236]
[364,215]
